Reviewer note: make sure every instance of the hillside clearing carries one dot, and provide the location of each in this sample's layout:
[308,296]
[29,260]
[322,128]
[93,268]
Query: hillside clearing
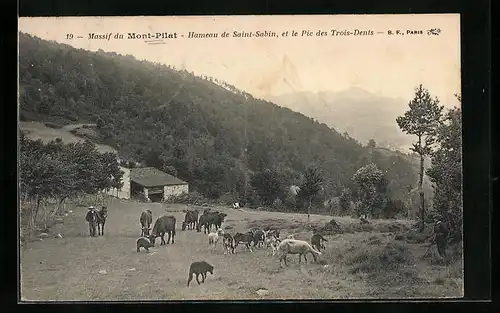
[72,268]
[36,130]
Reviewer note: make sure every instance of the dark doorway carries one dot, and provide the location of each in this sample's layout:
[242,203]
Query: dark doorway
[155,194]
[156,197]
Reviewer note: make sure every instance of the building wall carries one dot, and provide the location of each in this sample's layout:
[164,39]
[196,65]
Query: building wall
[124,192]
[175,190]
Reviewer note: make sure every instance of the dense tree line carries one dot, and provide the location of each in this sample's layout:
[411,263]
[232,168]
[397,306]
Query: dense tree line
[446,171]
[60,171]
[219,139]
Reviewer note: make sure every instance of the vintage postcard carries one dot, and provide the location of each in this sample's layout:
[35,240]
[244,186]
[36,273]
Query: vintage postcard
[240,157]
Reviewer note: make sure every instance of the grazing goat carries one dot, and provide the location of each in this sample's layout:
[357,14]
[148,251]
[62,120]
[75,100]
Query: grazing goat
[91,218]
[317,242]
[228,244]
[146,221]
[213,238]
[244,238]
[145,243]
[293,246]
[236,205]
[272,242]
[190,220]
[101,216]
[259,237]
[198,268]
[164,225]
[274,232]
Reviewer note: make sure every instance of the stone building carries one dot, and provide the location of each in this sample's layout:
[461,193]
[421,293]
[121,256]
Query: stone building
[155,185]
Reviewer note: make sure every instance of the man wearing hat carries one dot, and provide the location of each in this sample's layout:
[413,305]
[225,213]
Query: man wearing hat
[441,230]
[91,218]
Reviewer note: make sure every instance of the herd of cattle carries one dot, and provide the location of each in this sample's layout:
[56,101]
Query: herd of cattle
[211,222]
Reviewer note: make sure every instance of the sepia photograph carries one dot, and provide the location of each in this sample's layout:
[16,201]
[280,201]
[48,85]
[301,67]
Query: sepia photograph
[249,157]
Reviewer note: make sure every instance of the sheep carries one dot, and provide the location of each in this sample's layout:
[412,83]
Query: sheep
[294,246]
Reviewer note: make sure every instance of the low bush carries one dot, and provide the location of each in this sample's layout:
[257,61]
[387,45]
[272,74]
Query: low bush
[193,198]
[380,258]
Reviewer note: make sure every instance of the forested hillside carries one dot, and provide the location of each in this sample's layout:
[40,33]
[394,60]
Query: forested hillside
[212,137]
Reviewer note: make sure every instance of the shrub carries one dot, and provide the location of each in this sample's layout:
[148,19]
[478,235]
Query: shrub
[193,198]
[380,258]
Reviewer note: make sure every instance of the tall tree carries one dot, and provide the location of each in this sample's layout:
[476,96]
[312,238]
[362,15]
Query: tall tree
[422,120]
[446,170]
[371,188]
[311,185]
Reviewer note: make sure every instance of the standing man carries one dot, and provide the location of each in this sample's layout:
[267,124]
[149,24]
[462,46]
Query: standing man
[441,230]
[91,218]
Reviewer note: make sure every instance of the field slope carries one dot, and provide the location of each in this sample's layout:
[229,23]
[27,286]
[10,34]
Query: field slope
[361,263]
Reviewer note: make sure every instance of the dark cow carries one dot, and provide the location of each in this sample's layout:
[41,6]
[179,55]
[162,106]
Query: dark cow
[190,220]
[244,238]
[211,218]
[163,225]
[216,219]
[102,215]
[203,221]
[146,221]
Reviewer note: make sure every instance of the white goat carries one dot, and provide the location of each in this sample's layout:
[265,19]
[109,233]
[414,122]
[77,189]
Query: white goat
[213,238]
[293,246]
[272,242]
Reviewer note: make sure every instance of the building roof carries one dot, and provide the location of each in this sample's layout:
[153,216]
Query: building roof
[153,177]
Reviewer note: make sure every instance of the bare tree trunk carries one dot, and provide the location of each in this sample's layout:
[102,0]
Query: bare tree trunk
[58,208]
[421,192]
[38,201]
[31,220]
[308,210]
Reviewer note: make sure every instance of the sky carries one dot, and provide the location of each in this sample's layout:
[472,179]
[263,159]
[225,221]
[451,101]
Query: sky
[386,65]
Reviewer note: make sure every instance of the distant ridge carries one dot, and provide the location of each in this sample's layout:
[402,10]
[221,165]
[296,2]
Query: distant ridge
[360,113]
[207,132]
